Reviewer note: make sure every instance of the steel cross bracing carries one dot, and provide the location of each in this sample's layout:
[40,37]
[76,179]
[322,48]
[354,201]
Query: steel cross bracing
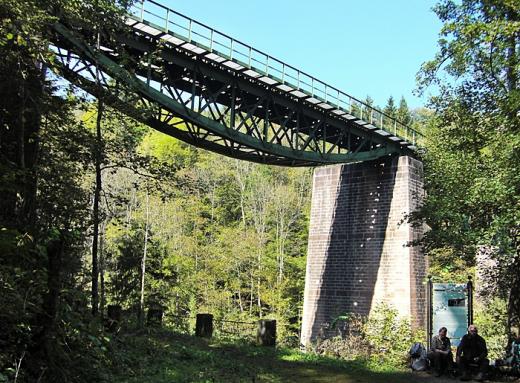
[194,94]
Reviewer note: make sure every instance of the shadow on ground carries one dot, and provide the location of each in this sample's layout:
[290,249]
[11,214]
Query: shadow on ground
[160,356]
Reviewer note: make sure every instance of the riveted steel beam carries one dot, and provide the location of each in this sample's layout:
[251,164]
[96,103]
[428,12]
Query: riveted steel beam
[222,110]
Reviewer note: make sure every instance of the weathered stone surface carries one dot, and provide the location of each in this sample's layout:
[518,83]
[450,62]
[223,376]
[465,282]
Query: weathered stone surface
[357,254]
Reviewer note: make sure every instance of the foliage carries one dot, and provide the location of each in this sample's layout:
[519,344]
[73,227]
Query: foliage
[389,335]
[235,250]
[473,153]
[491,320]
[381,340]
[195,231]
[43,209]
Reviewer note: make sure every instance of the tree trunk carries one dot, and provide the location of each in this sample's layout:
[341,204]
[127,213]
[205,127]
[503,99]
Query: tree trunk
[242,185]
[252,295]
[95,210]
[21,101]
[143,262]
[513,304]
[44,341]
[240,301]
[102,296]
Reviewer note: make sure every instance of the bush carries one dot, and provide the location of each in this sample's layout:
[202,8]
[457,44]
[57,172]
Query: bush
[382,340]
[491,320]
[351,344]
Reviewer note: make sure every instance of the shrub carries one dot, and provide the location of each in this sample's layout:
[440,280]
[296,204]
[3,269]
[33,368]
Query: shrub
[491,320]
[382,339]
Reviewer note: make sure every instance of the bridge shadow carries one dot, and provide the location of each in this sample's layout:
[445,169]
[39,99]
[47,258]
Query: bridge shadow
[355,244]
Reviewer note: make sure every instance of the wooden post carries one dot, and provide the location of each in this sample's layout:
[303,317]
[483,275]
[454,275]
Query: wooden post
[113,317]
[204,325]
[266,334]
[154,317]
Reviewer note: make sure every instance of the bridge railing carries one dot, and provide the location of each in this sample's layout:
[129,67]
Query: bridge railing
[262,65]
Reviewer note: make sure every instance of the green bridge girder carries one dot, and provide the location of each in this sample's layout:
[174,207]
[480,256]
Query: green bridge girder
[209,99]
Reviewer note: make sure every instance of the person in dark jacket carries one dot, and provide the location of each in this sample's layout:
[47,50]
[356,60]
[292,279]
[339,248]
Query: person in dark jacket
[440,352]
[472,351]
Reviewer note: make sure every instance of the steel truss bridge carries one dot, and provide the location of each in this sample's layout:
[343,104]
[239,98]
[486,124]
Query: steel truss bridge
[203,87]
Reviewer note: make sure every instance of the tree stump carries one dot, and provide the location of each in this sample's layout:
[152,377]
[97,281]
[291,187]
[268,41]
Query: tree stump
[154,317]
[266,334]
[204,325]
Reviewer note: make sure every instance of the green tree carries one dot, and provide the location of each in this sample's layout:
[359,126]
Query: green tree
[403,113]
[42,210]
[390,108]
[473,153]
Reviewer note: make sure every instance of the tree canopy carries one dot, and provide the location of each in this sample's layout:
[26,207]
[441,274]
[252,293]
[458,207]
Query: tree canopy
[473,152]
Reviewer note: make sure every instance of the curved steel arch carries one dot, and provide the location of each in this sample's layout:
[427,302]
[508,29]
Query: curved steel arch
[222,109]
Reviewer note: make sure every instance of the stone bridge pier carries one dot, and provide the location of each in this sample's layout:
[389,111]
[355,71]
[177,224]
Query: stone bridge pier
[357,255]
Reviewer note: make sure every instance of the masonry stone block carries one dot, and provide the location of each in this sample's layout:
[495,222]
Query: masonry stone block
[357,254]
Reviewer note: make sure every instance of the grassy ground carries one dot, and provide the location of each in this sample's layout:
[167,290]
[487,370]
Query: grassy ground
[162,356]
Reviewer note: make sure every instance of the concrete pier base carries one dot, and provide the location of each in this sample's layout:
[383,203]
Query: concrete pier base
[357,254]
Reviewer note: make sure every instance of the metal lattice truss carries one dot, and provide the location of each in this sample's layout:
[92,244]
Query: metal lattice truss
[208,103]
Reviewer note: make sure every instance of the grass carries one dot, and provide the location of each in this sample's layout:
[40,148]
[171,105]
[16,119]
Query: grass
[160,356]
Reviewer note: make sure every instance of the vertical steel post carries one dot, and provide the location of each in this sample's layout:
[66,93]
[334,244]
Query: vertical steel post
[297,143]
[266,120]
[233,96]
[193,89]
[324,139]
[142,10]
[211,41]
[470,300]
[189,31]
[149,71]
[167,19]
[429,312]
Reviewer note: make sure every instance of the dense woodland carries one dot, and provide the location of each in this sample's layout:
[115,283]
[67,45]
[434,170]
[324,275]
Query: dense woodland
[97,209]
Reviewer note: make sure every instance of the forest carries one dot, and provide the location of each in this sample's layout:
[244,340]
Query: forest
[98,210]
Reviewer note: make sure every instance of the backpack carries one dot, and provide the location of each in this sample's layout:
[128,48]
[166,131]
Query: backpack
[417,350]
[418,360]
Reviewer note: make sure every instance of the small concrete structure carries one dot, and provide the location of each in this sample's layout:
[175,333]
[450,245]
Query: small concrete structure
[357,254]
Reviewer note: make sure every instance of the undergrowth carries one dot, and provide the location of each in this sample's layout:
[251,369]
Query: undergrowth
[379,342]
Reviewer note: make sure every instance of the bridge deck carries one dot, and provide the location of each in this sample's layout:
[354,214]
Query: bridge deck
[207,89]
[161,22]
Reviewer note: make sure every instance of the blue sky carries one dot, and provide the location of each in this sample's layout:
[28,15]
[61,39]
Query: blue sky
[363,47]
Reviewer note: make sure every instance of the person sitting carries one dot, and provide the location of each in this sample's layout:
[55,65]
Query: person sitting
[440,352]
[472,351]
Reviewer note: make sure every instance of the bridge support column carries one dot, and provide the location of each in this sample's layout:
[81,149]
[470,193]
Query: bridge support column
[356,255]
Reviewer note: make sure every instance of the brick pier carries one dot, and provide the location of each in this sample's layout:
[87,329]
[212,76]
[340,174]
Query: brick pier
[356,254]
